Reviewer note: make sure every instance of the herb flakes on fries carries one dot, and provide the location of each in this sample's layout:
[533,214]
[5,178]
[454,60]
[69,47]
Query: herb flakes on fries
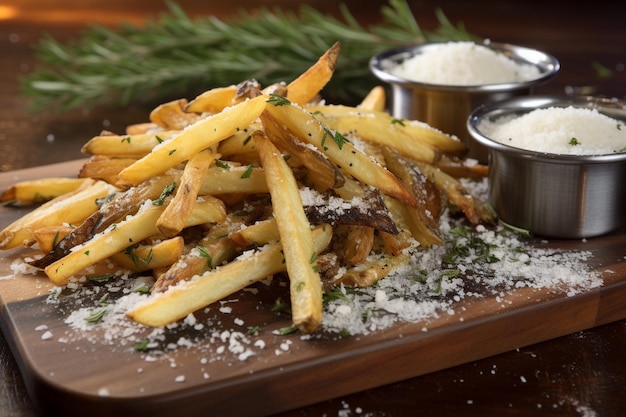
[243,183]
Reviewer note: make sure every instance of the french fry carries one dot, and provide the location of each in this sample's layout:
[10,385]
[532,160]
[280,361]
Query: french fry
[227,179]
[411,138]
[104,168]
[239,143]
[137,128]
[47,237]
[308,85]
[183,299]
[212,101]
[375,100]
[40,190]
[457,194]
[70,208]
[369,271]
[295,236]
[125,233]
[175,215]
[140,258]
[322,172]
[205,133]
[126,146]
[258,234]
[341,152]
[172,116]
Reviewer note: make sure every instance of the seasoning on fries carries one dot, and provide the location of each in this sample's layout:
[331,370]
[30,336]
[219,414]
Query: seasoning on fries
[246,182]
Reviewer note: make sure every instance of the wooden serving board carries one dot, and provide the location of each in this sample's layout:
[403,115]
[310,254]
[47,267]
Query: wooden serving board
[82,377]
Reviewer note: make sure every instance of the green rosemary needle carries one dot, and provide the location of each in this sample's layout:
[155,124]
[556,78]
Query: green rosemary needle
[175,55]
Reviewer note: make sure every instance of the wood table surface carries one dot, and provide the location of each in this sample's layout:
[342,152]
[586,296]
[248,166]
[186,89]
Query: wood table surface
[582,374]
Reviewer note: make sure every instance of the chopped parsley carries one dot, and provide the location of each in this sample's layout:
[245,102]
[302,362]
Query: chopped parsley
[169,189]
[278,101]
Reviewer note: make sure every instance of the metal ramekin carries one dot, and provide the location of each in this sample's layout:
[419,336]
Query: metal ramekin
[554,195]
[447,107]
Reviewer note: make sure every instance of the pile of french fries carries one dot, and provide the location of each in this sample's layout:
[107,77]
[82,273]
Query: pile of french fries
[243,183]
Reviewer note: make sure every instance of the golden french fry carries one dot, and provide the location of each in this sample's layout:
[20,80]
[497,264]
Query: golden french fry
[122,235]
[205,133]
[322,172]
[463,168]
[359,242]
[172,116]
[371,270]
[308,85]
[146,257]
[239,143]
[458,196]
[104,168]
[173,219]
[341,152]
[375,100]
[258,234]
[137,128]
[47,237]
[212,101]
[69,208]
[126,146]
[295,235]
[234,179]
[183,299]
[40,190]
[412,138]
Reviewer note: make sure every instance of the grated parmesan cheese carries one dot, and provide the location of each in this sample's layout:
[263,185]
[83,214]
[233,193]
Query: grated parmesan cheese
[462,63]
[560,130]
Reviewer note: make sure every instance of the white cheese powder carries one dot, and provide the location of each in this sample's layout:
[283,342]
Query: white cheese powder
[560,130]
[462,63]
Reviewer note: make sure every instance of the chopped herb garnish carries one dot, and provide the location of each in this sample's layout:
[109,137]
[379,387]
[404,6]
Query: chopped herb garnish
[204,252]
[278,101]
[280,307]
[142,345]
[283,331]
[158,139]
[126,139]
[397,122]
[100,278]
[169,189]
[254,330]
[172,151]
[221,164]
[246,140]
[247,173]
[336,136]
[574,142]
[96,316]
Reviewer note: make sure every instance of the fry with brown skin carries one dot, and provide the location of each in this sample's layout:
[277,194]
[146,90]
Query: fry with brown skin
[172,115]
[305,287]
[205,133]
[341,152]
[126,233]
[39,191]
[308,85]
[173,219]
[82,202]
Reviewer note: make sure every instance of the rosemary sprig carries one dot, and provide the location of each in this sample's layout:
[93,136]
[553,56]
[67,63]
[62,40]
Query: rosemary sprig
[174,56]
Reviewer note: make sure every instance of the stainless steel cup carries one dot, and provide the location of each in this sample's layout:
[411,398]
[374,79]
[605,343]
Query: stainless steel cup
[554,195]
[447,107]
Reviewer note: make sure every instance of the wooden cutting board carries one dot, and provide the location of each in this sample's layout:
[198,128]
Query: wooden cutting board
[77,377]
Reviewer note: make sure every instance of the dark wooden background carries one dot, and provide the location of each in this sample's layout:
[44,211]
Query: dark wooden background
[577,375]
